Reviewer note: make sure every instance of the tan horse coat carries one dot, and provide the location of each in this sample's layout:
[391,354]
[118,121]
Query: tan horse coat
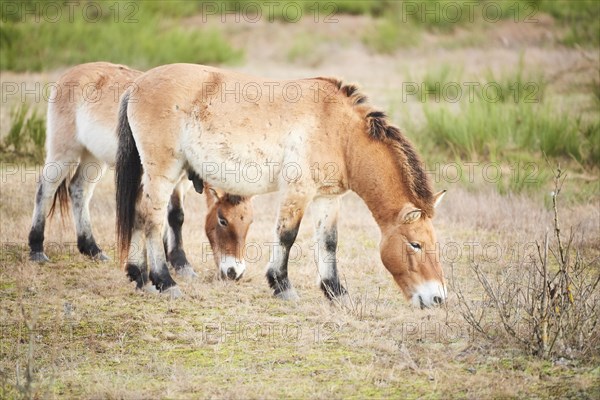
[311,139]
[81,142]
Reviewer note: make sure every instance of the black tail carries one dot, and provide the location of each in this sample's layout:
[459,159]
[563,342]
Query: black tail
[128,176]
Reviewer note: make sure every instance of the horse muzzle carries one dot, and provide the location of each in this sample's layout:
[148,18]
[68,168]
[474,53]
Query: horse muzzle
[232,268]
[429,294]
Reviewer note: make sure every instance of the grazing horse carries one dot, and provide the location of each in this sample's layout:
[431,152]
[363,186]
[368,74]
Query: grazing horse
[81,133]
[311,139]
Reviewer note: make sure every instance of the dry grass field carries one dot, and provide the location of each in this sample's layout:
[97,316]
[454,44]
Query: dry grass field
[95,337]
[75,328]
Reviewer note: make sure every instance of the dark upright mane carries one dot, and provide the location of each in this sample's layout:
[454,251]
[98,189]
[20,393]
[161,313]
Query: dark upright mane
[409,162]
[350,91]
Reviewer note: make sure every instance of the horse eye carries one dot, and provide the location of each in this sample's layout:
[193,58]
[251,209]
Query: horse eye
[415,246]
[221,219]
[223,222]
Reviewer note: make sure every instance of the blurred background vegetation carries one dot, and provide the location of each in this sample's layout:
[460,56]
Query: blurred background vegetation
[35,36]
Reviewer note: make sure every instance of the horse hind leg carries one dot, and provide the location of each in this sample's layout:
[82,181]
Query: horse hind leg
[136,267]
[156,191]
[172,237]
[81,189]
[54,174]
[326,213]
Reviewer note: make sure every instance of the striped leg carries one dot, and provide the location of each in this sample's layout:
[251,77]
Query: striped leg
[53,175]
[137,267]
[326,213]
[288,223]
[81,189]
[172,236]
[153,206]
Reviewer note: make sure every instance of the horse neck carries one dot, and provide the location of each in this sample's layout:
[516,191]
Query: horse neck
[375,176]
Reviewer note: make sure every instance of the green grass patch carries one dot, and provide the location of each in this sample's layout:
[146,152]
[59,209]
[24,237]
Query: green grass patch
[27,134]
[323,11]
[388,35]
[581,18]
[525,176]
[504,118]
[444,82]
[139,35]
[439,82]
[517,86]
[486,130]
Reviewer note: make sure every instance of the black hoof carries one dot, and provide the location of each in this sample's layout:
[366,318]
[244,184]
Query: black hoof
[88,247]
[282,287]
[38,256]
[135,274]
[332,289]
[162,280]
[178,259]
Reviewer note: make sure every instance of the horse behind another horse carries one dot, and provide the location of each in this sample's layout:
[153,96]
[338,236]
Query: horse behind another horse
[81,137]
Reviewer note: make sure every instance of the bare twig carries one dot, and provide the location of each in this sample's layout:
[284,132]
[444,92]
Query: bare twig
[554,297]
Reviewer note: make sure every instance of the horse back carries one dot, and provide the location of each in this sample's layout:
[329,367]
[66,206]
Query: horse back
[83,108]
[207,116]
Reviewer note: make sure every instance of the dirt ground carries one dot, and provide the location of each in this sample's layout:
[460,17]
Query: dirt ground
[84,332]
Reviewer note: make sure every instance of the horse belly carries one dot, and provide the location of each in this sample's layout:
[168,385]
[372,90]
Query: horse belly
[97,137]
[237,166]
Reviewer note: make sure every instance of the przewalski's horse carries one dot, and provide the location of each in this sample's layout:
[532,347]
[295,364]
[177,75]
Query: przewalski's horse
[311,139]
[81,133]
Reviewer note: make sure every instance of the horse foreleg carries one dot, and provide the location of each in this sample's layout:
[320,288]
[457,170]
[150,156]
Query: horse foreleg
[288,223]
[173,241]
[81,190]
[326,213]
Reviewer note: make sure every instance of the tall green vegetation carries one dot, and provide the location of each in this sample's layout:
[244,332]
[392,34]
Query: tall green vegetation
[507,117]
[27,134]
[401,24]
[35,36]
[502,116]
[486,130]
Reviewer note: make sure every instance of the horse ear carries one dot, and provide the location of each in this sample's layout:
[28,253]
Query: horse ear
[438,197]
[215,193]
[412,216]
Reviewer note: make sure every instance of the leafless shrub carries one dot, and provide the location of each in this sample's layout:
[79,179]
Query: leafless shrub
[549,305]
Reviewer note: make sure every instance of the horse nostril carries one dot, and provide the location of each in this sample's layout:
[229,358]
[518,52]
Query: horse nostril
[437,300]
[231,273]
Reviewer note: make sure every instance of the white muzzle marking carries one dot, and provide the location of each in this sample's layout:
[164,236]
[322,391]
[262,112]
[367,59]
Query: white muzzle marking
[428,294]
[231,267]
